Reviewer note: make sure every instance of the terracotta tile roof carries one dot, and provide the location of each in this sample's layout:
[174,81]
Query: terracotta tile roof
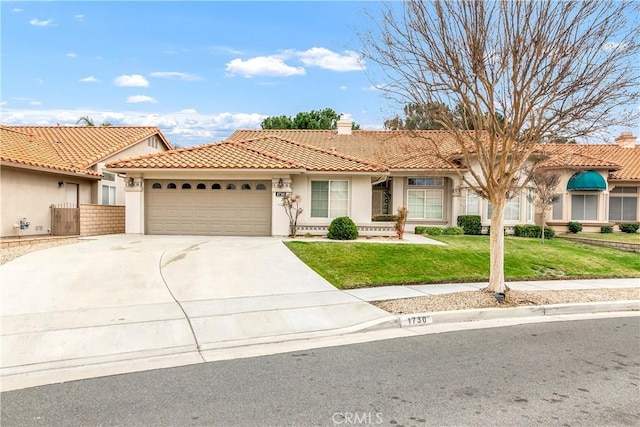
[395,149]
[222,155]
[623,163]
[84,146]
[265,152]
[25,149]
[311,157]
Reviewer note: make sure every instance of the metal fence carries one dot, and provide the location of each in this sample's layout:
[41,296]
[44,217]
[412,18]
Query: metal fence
[65,220]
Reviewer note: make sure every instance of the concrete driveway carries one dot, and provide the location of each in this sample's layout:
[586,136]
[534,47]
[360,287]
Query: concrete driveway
[140,302]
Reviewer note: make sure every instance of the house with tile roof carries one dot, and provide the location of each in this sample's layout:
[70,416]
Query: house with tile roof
[42,166]
[236,186]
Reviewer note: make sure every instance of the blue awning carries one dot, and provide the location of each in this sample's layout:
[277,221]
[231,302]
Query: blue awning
[586,181]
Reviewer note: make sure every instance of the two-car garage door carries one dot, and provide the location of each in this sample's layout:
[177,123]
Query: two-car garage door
[219,208]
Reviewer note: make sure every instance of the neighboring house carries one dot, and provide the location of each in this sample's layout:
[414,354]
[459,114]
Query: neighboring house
[42,166]
[236,186]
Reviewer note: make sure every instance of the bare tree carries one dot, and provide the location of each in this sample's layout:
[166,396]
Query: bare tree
[545,185]
[521,71]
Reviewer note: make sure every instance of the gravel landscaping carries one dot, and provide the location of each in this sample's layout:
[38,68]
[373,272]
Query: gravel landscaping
[481,299]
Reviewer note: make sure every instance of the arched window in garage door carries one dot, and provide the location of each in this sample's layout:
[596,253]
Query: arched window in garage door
[186,186]
[156,185]
[216,186]
[171,186]
[201,186]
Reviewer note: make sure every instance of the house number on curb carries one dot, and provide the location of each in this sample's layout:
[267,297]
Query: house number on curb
[415,320]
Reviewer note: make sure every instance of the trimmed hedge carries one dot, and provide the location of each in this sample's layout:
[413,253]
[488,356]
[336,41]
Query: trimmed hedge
[431,231]
[606,229]
[453,231]
[629,227]
[574,227]
[384,217]
[342,228]
[533,231]
[471,224]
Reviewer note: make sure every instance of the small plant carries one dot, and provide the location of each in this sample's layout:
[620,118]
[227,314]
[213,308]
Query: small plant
[606,229]
[533,231]
[384,217]
[629,227]
[471,224]
[401,220]
[342,228]
[293,210]
[431,231]
[453,231]
[574,227]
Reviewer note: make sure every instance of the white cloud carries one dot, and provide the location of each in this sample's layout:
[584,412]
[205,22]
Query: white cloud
[185,127]
[79,17]
[329,60]
[35,103]
[39,23]
[226,50]
[609,46]
[72,55]
[90,79]
[137,99]
[175,75]
[3,103]
[132,80]
[263,66]
[17,10]
[375,87]
[343,87]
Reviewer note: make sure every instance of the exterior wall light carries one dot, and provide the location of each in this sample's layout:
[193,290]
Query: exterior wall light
[280,183]
[60,184]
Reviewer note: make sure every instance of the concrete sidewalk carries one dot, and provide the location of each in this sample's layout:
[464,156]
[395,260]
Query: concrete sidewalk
[412,291]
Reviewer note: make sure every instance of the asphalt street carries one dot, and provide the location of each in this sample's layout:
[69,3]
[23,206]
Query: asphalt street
[571,373]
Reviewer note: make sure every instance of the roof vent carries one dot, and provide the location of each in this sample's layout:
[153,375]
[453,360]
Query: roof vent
[626,140]
[344,124]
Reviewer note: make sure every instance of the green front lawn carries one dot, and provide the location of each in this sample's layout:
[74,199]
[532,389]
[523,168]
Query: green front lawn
[612,237]
[465,258]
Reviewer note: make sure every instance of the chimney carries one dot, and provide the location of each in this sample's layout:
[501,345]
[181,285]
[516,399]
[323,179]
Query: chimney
[626,140]
[344,124]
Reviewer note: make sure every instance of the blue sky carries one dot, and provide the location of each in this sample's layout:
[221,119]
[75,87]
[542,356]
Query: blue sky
[198,70]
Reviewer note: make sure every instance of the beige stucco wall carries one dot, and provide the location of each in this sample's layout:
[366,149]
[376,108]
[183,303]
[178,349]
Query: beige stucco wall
[28,194]
[603,198]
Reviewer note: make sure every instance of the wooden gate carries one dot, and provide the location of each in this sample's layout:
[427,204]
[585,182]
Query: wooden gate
[65,220]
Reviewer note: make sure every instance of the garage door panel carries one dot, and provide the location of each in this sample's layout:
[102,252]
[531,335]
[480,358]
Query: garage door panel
[207,211]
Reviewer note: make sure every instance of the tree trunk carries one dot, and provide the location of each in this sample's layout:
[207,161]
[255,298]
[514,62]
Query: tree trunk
[496,248]
[543,222]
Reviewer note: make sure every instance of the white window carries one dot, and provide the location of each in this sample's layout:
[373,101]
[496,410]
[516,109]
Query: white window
[511,210]
[473,203]
[329,199]
[556,208]
[108,195]
[108,176]
[584,207]
[425,204]
[623,204]
[425,182]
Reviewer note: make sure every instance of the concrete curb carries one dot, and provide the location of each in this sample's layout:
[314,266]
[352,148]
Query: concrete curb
[456,316]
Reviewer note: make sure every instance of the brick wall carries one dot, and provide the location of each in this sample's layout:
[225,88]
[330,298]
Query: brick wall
[101,219]
[625,246]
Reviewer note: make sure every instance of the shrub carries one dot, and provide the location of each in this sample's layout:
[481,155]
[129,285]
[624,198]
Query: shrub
[401,220]
[431,231]
[533,231]
[471,224]
[575,227]
[384,217]
[453,231]
[342,228]
[629,227]
[606,229]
